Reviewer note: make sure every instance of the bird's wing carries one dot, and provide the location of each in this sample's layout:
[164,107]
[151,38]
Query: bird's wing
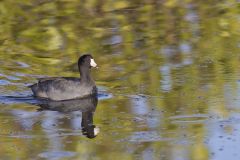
[49,78]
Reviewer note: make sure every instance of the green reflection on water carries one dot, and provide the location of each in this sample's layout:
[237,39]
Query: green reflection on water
[171,66]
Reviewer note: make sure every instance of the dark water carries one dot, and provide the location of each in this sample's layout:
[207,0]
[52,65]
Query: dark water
[169,79]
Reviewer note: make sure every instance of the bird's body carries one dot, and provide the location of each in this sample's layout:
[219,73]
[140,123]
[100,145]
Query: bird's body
[64,88]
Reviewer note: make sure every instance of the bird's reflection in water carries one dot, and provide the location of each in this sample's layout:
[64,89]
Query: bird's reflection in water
[86,105]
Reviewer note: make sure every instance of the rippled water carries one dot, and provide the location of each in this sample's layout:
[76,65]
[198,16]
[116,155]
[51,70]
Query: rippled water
[168,79]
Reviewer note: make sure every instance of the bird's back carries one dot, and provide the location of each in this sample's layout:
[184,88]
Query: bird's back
[62,88]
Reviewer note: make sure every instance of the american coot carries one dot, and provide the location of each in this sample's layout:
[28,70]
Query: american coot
[63,88]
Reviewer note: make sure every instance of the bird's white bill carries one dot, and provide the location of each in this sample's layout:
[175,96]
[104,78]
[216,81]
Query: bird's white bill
[93,63]
[96,131]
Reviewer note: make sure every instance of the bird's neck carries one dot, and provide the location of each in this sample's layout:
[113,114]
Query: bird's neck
[85,74]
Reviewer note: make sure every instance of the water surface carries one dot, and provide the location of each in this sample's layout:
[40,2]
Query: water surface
[169,79]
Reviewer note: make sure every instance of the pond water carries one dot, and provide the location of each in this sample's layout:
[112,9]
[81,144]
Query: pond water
[169,79]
